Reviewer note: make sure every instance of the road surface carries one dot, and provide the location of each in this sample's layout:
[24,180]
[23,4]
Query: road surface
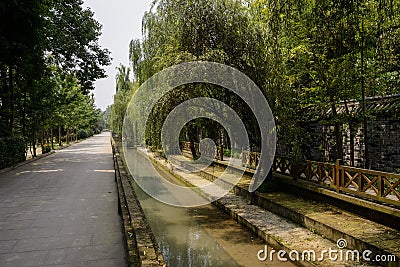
[61,210]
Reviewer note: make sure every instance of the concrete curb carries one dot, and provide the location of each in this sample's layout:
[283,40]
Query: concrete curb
[331,232]
[384,209]
[327,231]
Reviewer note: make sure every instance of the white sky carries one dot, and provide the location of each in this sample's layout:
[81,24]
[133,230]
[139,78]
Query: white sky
[122,22]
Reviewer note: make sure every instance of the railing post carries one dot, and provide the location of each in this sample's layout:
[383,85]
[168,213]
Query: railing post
[381,186]
[360,182]
[337,175]
[257,160]
[294,169]
[274,164]
[320,169]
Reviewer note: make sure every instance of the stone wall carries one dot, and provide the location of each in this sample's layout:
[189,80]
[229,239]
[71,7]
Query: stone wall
[383,143]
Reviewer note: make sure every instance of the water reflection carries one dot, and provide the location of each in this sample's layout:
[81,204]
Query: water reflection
[182,240]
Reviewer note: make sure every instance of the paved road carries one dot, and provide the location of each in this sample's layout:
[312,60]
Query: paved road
[62,210]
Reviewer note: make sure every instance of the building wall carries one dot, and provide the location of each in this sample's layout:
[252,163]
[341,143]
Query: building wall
[384,143]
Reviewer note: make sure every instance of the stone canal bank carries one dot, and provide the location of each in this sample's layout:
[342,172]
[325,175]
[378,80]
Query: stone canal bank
[142,248]
[296,224]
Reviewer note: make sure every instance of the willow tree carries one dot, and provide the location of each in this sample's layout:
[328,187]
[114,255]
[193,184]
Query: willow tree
[289,81]
[177,31]
[123,82]
[379,58]
[125,89]
[354,56]
[308,57]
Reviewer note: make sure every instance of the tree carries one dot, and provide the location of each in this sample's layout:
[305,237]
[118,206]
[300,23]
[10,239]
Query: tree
[179,31]
[21,56]
[72,36]
[122,79]
[308,57]
[38,40]
[125,89]
[135,57]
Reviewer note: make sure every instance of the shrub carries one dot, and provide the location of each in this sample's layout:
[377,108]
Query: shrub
[46,148]
[97,131]
[268,186]
[82,134]
[227,152]
[12,151]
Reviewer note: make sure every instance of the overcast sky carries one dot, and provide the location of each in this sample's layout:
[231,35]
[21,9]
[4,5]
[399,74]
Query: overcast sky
[122,22]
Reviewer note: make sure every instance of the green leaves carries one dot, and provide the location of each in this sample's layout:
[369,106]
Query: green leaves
[307,56]
[49,59]
[72,40]
[125,89]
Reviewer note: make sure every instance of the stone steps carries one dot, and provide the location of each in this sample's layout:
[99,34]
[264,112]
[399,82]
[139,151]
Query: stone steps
[328,221]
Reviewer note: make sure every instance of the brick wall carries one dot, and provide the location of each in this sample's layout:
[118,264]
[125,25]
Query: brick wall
[383,144]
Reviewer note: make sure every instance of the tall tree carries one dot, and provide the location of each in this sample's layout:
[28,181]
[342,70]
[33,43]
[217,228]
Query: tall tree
[35,36]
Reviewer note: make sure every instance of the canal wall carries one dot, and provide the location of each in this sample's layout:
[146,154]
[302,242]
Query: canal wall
[142,248]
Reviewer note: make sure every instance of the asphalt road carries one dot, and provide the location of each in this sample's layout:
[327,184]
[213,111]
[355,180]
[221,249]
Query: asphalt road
[61,210]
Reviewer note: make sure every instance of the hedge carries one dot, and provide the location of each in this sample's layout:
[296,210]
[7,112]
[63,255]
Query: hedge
[12,151]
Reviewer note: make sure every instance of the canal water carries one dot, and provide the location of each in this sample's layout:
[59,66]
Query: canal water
[201,236]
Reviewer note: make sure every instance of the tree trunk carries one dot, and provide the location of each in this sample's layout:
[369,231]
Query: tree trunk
[12,100]
[364,108]
[191,134]
[339,141]
[338,128]
[34,142]
[352,136]
[59,135]
[67,137]
[24,133]
[24,115]
[43,135]
[3,95]
[51,137]
[352,132]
